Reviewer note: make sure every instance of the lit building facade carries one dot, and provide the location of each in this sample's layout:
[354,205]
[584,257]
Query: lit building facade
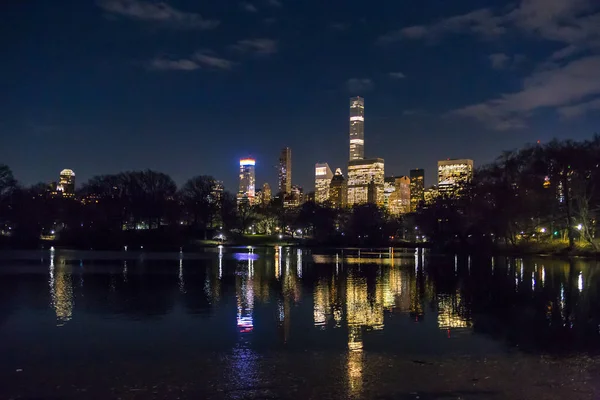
[247,189]
[266,194]
[389,187]
[323,177]
[295,198]
[357,128]
[453,174]
[285,171]
[360,174]
[417,188]
[399,202]
[430,195]
[338,190]
[66,182]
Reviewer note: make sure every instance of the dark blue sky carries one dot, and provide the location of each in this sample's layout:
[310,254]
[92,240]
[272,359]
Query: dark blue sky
[188,87]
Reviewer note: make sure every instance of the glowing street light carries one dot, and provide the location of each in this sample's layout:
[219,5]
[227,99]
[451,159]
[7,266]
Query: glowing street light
[543,230]
[579,227]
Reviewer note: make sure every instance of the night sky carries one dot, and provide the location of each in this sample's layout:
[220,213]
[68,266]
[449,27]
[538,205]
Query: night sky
[188,87]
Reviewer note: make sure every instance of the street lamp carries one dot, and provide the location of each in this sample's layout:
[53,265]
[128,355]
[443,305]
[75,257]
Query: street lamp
[579,227]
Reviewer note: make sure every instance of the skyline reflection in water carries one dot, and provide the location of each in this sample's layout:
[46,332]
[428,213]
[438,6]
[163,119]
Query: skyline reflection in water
[352,291]
[250,300]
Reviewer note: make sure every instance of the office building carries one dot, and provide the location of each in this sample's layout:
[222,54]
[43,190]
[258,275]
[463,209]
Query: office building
[417,188]
[430,195]
[323,177]
[338,190]
[246,193]
[295,198]
[217,191]
[357,128]
[399,202]
[389,187]
[66,182]
[453,175]
[266,194]
[285,171]
[362,173]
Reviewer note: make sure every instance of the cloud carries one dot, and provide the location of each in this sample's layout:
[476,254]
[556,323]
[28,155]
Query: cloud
[212,61]
[481,21]
[249,7]
[162,64]
[359,85]
[275,3]
[580,109]
[499,60]
[197,61]
[397,75]
[157,12]
[562,87]
[564,21]
[257,46]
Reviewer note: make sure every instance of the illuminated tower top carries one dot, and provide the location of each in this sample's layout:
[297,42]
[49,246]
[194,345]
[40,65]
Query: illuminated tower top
[357,128]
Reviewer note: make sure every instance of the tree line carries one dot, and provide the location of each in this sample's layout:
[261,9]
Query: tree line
[542,193]
[538,194]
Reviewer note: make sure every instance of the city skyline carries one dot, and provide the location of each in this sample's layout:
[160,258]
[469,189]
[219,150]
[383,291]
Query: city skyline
[192,90]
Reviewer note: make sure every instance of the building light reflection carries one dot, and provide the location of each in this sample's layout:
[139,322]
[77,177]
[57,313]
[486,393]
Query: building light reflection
[61,290]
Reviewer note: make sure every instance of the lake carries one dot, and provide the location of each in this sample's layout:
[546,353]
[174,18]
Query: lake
[286,323]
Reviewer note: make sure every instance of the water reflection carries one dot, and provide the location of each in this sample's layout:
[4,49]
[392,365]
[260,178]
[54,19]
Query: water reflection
[280,295]
[61,289]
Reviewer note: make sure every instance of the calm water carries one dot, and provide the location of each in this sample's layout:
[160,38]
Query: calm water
[296,323]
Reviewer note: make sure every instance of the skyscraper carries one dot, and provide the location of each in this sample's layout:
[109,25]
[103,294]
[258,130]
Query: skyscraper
[417,188]
[357,128]
[361,173]
[247,181]
[338,190]
[323,177]
[266,194]
[397,195]
[66,182]
[285,171]
[453,174]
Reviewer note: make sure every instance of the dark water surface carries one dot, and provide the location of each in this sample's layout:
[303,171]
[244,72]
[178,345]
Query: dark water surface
[240,323]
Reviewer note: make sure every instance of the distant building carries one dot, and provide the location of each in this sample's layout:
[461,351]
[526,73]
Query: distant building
[217,191]
[285,170]
[66,182]
[397,195]
[362,173]
[357,128]
[400,199]
[338,190]
[389,187]
[453,174]
[417,188]
[430,195]
[295,198]
[266,194]
[247,188]
[323,177]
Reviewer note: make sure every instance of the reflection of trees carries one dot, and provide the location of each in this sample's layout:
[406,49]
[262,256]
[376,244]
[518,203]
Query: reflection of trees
[537,304]
[149,290]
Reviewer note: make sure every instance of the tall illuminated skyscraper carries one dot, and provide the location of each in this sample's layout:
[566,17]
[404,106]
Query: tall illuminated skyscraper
[453,174]
[357,128]
[323,177]
[247,181]
[66,182]
[285,171]
[417,188]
